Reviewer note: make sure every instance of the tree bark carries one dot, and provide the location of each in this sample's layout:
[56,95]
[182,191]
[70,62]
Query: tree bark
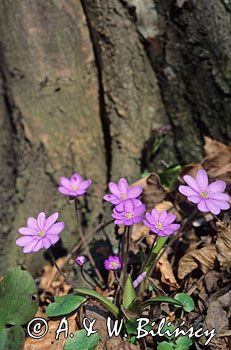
[85,86]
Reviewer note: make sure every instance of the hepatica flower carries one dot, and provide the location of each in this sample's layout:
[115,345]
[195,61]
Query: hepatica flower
[73,187]
[161,223]
[121,192]
[80,260]
[113,263]
[129,212]
[207,197]
[40,233]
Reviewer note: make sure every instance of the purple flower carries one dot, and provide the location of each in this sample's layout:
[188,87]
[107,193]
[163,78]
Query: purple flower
[121,192]
[80,260]
[207,197]
[129,212]
[113,263]
[139,279]
[161,223]
[40,233]
[74,187]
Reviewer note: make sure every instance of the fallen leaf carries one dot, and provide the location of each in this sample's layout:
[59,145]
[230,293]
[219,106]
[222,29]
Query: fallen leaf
[222,309]
[166,271]
[118,343]
[203,258]
[217,160]
[223,244]
[180,3]
[139,231]
[48,342]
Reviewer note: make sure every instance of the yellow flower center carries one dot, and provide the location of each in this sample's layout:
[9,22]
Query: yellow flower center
[114,264]
[74,188]
[129,215]
[159,226]
[204,194]
[123,196]
[41,233]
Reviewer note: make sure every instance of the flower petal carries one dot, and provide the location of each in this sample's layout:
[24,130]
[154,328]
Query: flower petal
[32,223]
[163,216]
[134,192]
[219,196]
[22,241]
[114,188]
[139,210]
[212,206]
[192,183]
[217,186]
[202,179]
[56,229]
[66,192]
[46,242]
[50,221]
[38,246]
[147,224]
[84,185]
[119,222]
[27,231]
[174,227]
[169,219]
[41,220]
[129,205]
[64,182]
[76,179]
[187,191]
[222,205]
[155,214]
[123,185]
[137,219]
[30,246]
[53,238]
[150,218]
[202,206]
[194,199]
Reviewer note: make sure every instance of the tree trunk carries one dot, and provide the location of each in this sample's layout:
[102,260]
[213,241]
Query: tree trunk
[85,85]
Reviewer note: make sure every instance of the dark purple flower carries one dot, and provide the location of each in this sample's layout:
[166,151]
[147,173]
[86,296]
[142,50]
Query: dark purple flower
[73,187]
[207,197]
[40,233]
[164,129]
[113,263]
[161,223]
[121,192]
[80,260]
[139,279]
[128,212]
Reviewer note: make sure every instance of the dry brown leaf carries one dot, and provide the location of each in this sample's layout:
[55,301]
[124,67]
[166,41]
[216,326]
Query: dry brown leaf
[223,244]
[52,281]
[166,271]
[217,160]
[139,231]
[153,191]
[180,3]
[117,343]
[49,342]
[203,258]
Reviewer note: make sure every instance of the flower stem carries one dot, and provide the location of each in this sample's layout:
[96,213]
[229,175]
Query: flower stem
[72,283]
[85,279]
[158,244]
[124,254]
[85,244]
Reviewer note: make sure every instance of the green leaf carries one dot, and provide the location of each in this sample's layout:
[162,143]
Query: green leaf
[129,293]
[171,328]
[165,346]
[162,299]
[186,301]
[107,303]
[169,175]
[80,341]
[64,305]
[183,343]
[12,338]
[18,297]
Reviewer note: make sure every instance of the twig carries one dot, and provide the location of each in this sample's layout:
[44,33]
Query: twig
[85,279]
[72,283]
[82,238]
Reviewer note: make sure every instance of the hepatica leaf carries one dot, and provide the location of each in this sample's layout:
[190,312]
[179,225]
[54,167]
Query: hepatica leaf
[12,338]
[186,300]
[18,297]
[165,346]
[64,305]
[129,293]
[80,341]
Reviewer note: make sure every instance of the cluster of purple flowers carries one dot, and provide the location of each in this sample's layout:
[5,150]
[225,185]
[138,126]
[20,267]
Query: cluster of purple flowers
[43,232]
